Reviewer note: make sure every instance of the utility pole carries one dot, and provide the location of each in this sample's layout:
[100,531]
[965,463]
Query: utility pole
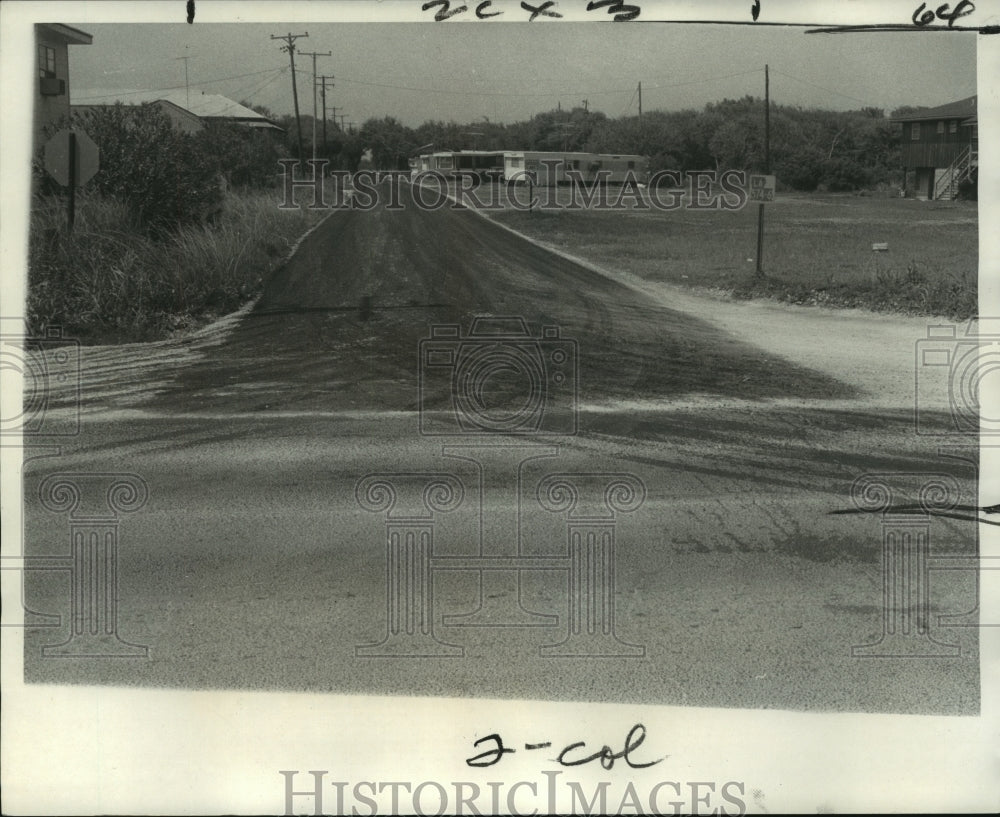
[767,121]
[289,46]
[640,100]
[323,80]
[315,54]
[586,108]
[767,170]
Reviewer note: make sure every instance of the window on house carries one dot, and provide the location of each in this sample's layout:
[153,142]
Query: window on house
[46,62]
[915,131]
[515,162]
[631,165]
[953,126]
[940,127]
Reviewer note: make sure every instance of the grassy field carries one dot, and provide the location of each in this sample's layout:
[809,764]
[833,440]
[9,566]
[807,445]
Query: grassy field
[817,249]
[108,282]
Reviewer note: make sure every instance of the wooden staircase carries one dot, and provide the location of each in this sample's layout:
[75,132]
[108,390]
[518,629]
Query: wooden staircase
[960,170]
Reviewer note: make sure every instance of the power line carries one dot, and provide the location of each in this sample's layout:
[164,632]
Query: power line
[187,89]
[176,87]
[248,94]
[542,93]
[820,87]
[243,92]
[628,105]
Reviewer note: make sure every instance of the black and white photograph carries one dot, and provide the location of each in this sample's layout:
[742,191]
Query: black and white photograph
[560,406]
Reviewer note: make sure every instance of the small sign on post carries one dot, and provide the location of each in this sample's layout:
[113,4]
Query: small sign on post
[72,159]
[762,188]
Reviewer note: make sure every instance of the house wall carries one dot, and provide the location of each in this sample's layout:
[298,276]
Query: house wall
[933,149]
[50,109]
[185,120]
[923,183]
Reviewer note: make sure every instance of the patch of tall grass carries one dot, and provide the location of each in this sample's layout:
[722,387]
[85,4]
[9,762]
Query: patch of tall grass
[110,281]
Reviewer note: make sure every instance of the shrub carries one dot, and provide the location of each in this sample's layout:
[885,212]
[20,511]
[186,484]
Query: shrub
[802,170]
[968,190]
[246,157]
[165,177]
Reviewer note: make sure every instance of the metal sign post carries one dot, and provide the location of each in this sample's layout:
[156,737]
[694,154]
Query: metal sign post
[71,203]
[72,159]
[761,190]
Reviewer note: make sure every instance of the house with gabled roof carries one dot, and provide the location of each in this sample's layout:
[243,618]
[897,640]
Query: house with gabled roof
[194,111]
[941,147]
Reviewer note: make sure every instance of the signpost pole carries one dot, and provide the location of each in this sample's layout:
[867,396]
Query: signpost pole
[71,212]
[72,159]
[760,240]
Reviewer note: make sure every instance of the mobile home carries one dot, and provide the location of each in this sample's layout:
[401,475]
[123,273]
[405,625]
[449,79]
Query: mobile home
[613,168]
[449,162]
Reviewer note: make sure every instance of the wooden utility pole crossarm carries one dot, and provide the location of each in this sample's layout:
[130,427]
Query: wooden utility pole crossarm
[289,46]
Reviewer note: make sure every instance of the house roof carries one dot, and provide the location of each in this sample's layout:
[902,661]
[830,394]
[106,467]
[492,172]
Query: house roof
[202,105]
[964,109]
[211,106]
[68,34]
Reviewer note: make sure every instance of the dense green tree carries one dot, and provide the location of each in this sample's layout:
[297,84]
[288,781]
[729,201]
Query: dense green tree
[390,142]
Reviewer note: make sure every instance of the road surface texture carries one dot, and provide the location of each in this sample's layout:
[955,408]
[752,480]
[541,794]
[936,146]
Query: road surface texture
[253,564]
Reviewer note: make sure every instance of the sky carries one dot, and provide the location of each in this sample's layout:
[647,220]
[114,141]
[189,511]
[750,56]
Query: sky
[508,72]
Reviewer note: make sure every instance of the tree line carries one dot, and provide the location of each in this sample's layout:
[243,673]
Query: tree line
[810,148]
[169,178]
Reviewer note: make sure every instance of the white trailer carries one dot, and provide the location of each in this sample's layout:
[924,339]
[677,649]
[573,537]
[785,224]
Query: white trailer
[612,168]
[452,162]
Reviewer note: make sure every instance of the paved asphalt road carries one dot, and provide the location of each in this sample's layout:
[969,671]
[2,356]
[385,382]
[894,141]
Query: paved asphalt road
[252,565]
